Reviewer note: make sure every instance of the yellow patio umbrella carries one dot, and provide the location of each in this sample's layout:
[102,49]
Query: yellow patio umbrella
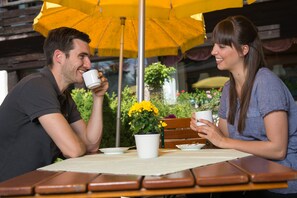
[211,82]
[141,9]
[163,37]
[153,8]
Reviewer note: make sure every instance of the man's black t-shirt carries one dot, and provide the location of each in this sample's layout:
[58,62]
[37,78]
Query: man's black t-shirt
[24,144]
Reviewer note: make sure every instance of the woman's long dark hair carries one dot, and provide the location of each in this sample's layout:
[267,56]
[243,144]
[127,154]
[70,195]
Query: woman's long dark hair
[237,31]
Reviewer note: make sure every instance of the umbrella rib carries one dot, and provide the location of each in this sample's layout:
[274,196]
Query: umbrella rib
[182,45]
[103,33]
[169,36]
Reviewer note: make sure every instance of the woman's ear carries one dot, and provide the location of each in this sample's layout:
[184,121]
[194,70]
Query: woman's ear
[245,49]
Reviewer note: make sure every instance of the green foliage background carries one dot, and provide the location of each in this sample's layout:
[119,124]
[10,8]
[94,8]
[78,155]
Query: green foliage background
[186,104]
[84,100]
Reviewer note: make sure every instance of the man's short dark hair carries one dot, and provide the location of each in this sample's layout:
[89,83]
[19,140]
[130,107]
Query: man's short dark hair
[61,38]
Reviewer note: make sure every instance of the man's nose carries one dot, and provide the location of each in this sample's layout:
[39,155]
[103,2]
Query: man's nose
[87,63]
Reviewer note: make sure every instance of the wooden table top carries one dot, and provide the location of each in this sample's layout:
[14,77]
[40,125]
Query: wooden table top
[247,173]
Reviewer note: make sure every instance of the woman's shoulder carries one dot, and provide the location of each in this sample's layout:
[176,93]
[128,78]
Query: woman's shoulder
[266,76]
[226,87]
[264,71]
[268,83]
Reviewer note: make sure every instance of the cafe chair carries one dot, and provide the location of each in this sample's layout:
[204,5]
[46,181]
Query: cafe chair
[178,131]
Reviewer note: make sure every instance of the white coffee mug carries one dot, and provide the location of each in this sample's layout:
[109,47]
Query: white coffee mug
[91,79]
[206,115]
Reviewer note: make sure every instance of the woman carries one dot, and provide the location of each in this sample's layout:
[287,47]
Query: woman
[257,112]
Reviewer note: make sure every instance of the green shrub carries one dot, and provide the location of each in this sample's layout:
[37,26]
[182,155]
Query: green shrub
[156,74]
[84,102]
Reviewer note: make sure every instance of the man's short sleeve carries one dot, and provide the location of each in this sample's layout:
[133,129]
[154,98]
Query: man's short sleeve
[38,98]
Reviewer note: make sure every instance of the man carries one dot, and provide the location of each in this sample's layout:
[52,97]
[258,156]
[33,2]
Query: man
[39,120]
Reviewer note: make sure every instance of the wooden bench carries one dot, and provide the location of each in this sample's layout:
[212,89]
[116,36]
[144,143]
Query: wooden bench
[178,131]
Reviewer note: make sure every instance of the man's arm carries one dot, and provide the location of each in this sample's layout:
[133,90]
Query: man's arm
[62,134]
[78,138]
[91,134]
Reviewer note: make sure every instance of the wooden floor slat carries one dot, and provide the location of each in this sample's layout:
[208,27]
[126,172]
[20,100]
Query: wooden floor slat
[219,174]
[262,170]
[66,182]
[173,180]
[24,184]
[106,182]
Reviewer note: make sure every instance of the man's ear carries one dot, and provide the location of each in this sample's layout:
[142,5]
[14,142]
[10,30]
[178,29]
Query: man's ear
[57,57]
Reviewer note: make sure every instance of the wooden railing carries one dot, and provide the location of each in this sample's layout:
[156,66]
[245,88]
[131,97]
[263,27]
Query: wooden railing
[16,19]
[17,23]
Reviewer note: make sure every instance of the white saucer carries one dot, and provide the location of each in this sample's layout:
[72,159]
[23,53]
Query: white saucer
[190,147]
[114,150]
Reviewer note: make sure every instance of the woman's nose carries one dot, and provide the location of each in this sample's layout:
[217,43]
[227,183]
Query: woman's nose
[214,51]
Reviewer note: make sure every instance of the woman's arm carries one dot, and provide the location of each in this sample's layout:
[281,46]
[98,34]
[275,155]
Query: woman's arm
[276,126]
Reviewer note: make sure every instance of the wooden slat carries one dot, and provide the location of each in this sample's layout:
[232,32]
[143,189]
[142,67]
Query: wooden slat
[178,131]
[174,180]
[107,182]
[262,170]
[219,174]
[177,122]
[66,182]
[4,3]
[24,184]
[25,28]
[22,58]
[27,19]
[14,13]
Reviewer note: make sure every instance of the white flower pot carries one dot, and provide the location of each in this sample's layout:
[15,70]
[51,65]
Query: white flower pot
[147,145]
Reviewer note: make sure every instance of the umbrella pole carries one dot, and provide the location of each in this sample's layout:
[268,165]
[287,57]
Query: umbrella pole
[118,129]
[141,44]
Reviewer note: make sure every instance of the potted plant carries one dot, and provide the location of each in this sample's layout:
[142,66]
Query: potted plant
[156,74]
[146,126]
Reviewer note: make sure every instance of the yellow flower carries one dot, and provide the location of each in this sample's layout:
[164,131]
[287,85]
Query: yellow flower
[163,124]
[145,118]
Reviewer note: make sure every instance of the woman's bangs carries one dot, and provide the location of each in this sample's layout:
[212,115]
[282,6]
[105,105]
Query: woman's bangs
[223,34]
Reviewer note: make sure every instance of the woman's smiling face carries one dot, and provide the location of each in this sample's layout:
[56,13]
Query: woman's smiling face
[227,57]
